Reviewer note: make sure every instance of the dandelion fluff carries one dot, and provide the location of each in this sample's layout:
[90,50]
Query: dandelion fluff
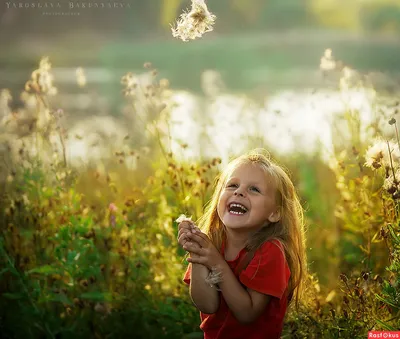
[194,24]
[378,154]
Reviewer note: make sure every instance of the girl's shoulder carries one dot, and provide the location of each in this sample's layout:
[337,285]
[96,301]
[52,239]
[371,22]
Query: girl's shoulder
[271,243]
[271,246]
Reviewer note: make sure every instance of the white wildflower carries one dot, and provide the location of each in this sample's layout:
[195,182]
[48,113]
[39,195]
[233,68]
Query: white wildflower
[80,77]
[194,24]
[42,79]
[328,63]
[392,183]
[378,154]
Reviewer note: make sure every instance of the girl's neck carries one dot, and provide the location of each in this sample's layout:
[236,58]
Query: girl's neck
[236,240]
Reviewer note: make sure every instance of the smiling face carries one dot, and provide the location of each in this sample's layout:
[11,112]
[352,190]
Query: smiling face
[248,199]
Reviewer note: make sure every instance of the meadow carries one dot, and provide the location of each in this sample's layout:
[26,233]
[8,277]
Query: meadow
[88,245]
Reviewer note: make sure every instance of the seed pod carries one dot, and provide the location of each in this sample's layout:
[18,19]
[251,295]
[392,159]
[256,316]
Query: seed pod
[84,283]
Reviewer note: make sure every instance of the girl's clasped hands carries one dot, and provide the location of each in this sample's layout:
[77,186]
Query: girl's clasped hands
[193,240]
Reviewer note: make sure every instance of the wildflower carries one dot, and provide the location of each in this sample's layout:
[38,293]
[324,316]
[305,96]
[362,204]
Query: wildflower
[112,208]
[130,81]
[102,308]
[391,183]
[378,154]
[328,62]
[195,23]
[80,77]
[42,79]
[5,100]
[164,83]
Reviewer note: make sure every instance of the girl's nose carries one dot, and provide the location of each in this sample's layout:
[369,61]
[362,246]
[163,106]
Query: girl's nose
[237,192]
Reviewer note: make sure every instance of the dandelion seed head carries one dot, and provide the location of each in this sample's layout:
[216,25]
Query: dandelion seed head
[194,24]
[377,155]
[392,183]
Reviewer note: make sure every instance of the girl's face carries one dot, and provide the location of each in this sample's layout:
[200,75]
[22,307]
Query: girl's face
[248,199]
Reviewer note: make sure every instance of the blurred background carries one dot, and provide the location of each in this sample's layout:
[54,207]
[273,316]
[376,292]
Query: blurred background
[271,45]
[266,49]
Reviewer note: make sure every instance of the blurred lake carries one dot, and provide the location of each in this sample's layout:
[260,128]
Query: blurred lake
[296,105]
[269,60]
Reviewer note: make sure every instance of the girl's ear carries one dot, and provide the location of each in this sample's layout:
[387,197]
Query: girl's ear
[275,216]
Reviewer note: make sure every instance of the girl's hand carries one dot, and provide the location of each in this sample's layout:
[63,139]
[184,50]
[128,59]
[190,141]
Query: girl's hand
[203,250]
[185,229]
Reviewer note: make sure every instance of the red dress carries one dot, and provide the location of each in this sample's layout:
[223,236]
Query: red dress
[266,273]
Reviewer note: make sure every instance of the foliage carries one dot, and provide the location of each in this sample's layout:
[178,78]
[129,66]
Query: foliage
[91,251]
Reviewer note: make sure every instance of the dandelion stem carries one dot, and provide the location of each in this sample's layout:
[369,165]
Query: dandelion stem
[391,161]
[63,148]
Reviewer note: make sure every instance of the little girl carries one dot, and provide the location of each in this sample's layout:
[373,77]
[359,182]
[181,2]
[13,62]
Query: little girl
[247,258]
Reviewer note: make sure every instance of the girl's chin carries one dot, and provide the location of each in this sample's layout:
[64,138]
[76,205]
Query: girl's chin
[234,220]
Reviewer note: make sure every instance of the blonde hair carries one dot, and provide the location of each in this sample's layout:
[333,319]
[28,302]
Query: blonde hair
[289,230]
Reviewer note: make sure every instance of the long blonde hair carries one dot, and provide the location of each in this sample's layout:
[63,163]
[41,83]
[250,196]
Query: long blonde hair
[289,230]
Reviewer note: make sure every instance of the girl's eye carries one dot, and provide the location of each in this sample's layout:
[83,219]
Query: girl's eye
[253,188]
[232,185]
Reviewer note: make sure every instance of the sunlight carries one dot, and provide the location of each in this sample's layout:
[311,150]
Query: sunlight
[289,121]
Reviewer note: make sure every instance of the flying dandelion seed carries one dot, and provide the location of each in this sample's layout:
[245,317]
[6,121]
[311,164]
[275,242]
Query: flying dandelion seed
[194,24]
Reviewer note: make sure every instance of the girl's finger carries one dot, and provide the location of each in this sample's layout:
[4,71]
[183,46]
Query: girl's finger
[185,225]
[197,260]
[182,231]
[199,238]
[192,248]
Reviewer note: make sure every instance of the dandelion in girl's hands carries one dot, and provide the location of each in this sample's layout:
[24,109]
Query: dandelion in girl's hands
[183,217]
[194,24]
[377,155]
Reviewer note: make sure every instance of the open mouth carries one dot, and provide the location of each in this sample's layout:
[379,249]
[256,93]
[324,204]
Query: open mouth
[237,209]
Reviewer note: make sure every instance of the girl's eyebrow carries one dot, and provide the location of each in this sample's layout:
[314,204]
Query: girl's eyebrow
[250,184]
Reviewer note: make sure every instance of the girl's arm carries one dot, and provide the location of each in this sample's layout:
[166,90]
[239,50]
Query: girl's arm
[246,304]
[205,297]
